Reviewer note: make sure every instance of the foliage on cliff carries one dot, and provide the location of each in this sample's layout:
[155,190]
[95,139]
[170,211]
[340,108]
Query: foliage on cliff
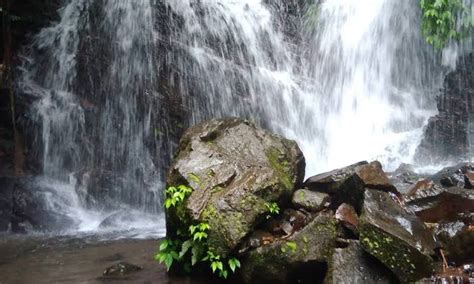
[444,20]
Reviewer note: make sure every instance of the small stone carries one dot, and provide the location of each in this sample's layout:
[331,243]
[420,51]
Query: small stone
[310,200]
[346,214]
[120,269]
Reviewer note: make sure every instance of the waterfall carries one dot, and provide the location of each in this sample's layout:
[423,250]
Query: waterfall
[114,82]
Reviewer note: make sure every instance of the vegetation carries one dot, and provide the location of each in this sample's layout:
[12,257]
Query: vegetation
[175,195]
[272,208]
[444,20]
[190,247]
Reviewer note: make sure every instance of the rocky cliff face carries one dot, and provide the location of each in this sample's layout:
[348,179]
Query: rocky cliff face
[448,135]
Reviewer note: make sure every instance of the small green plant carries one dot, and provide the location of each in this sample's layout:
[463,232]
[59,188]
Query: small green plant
[440,21]
[172,251]
[216,264]
[175,195]
[234,263]
[272,208]
[168,253]
[190,245]
[199,231]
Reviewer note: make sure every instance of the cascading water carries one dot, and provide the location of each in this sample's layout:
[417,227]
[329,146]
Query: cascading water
[378,80]
[114,80]
[361,89]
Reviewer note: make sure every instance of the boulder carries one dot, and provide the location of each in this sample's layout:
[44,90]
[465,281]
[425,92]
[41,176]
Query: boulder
[347,185]
[234,169]
[354,265]
[31,208]
[396,237]
[304,254]
[433,203]
[454,176]
[310,200]
[458,240]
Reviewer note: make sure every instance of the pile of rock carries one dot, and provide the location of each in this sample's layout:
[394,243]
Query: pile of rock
[350,224]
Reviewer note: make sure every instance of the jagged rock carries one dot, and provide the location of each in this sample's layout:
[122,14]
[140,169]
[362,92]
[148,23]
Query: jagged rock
[404,177]
[354,265]
[310,200]
[395,237]
[433,203]
[347,185]
[121,269]
[344,185]
[304,254]
[347,216]
[458,240]
[234,169]
[446,137]
[453,176]
[374,177]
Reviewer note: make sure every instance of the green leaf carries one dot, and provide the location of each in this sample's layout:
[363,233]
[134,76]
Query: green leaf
[204,226]
[194,255]
[220,265]
[164,244]
[214,266]
[223,274]
[184,248]
[234,263]
[168,261]
[174,255]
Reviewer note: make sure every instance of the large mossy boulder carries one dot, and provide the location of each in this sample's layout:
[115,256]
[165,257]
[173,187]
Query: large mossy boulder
[396,237]
[306,253]
[235,169]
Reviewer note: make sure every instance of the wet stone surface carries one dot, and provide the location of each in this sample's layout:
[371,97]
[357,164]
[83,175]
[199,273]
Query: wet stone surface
[396,237]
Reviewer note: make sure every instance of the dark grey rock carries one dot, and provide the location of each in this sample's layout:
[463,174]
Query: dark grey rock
[397,238]
[354,265]
[304,254]
[310,200]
